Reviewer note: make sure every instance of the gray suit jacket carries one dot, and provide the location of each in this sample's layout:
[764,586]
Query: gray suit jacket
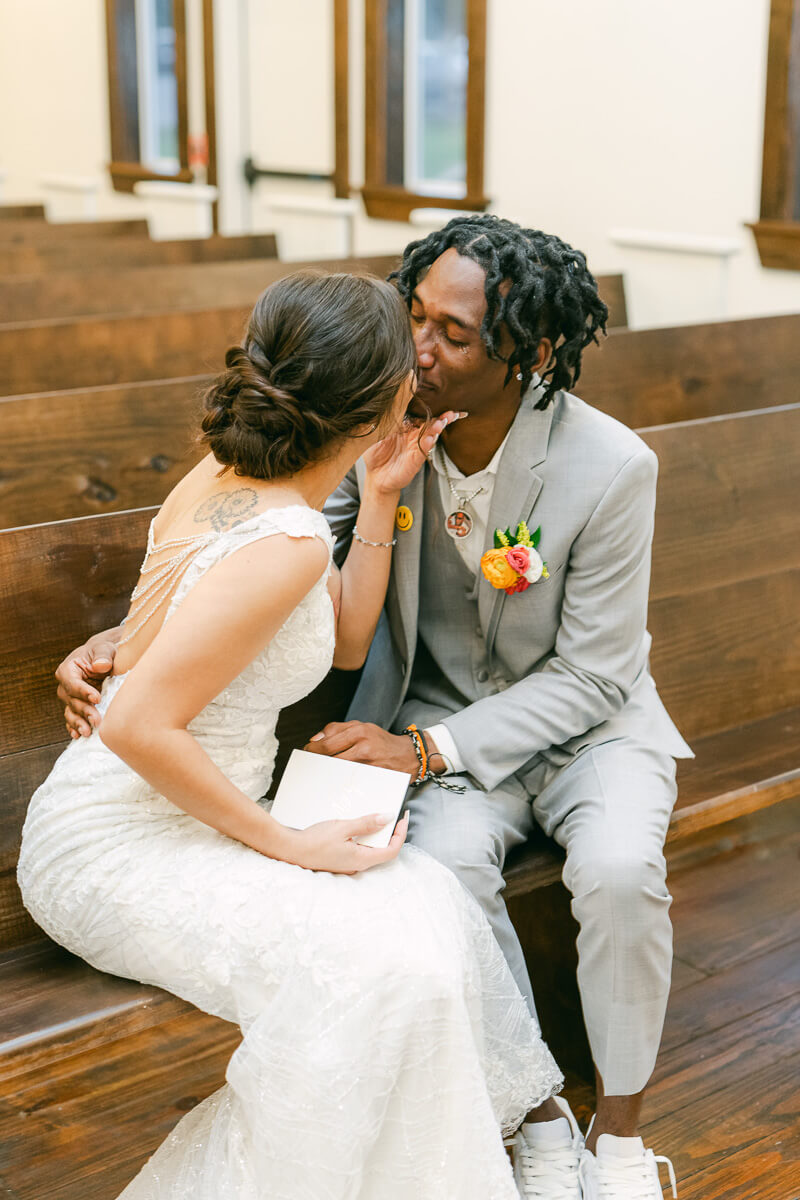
[571,652]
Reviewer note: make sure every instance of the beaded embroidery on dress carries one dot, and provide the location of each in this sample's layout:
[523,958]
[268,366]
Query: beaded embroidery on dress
[385,1043]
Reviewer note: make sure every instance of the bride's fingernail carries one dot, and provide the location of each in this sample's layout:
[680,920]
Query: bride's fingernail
[318,737]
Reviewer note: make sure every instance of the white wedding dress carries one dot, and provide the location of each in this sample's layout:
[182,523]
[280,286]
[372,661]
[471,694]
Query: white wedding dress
[385,1044]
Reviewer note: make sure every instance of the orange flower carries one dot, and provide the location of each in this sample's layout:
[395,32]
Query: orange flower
[497,569]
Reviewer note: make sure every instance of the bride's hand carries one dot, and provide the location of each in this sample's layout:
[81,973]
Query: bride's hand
[394,461]
[330,845]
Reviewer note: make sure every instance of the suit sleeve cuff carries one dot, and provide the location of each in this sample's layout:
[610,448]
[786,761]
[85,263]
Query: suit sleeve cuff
[447,748]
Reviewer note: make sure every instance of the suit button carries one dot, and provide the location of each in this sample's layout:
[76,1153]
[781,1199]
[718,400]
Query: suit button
[479,632]
[483,676]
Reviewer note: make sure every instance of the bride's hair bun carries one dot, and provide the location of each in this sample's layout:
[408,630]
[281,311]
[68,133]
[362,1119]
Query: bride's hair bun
[323,357]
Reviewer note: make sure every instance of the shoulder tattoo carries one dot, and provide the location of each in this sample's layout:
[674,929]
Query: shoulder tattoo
[226,509]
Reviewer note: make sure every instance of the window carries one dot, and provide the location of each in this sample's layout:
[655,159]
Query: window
[147,91]
[424,105]
[777,233]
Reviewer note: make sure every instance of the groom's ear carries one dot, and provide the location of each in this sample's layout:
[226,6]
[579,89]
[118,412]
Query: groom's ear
[545,353]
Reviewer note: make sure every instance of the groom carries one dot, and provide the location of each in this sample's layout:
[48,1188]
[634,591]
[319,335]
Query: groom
[538,703]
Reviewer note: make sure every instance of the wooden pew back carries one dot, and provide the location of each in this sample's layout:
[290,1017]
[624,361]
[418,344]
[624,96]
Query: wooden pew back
[29,230]
[79,293]
[12,212]
[43,356]
[725,590]
[653,376]
[724,611]
[56,355]
[69,294]
[112,253]
[56,581]
[76,453]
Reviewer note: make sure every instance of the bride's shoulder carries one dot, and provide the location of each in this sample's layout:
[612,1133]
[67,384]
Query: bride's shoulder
[294,539]
[299,521]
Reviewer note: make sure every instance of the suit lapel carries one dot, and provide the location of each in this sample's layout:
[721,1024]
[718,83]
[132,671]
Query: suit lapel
[516,491]
[405,562]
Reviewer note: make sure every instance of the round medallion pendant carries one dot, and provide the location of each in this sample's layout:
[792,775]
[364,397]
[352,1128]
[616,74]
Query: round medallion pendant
[458,524]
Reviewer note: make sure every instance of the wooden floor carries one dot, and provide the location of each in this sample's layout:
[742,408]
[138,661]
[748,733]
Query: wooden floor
[724,1105]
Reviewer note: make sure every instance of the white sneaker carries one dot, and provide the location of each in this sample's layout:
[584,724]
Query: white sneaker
[622,1169]
[546,1157]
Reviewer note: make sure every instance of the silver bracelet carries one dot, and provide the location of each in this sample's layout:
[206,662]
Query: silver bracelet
[382,545]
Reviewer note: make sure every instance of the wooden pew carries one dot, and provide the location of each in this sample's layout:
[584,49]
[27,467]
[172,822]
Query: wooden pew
[90,351]
[68,454]
[12,212]
[153,289]
[651,376]
[142,289]
[113,253]
[43,356]
[27,230]
[725,617]
[95,450]
[124,445]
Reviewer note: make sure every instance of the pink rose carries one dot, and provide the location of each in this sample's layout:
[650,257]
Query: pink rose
[518,558]
[520,586]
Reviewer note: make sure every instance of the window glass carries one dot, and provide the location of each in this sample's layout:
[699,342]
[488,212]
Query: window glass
[437,61]
[158,85]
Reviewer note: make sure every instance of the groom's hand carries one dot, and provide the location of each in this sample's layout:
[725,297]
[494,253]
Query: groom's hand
[360,742]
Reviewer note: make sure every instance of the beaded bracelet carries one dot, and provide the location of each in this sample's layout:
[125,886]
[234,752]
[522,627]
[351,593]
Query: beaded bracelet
[424,758]
[382,545]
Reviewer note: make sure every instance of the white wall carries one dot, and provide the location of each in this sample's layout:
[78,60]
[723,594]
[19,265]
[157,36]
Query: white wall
[54,96]
[646,115]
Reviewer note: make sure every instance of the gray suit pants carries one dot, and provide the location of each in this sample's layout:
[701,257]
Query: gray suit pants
[609,807]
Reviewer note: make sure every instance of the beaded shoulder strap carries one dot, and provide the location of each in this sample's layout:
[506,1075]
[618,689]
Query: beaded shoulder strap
[156,580]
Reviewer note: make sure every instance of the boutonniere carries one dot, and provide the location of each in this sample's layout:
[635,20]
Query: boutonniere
[514,563]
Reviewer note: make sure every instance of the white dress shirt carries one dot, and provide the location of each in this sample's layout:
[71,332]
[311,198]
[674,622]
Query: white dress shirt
[471,549]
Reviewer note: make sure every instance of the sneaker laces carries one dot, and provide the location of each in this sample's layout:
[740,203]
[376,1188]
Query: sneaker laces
[550,1171]
[635,1178]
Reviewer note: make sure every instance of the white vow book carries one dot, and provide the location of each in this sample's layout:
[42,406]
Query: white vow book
[316,788]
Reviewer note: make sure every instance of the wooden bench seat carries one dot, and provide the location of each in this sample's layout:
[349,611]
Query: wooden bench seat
[111,253]
[55,1004]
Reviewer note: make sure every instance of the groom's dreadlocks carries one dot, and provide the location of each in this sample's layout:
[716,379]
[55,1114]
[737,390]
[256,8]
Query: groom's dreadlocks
[553,294]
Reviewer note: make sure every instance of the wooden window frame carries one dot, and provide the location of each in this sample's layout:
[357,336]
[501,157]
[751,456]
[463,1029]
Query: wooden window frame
[777,232]
[123,96]
[390,201]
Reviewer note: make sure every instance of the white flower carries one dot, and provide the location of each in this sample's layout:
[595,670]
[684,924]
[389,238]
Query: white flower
[534,571]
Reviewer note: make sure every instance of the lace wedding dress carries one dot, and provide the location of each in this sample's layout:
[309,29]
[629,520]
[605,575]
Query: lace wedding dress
[385,1045]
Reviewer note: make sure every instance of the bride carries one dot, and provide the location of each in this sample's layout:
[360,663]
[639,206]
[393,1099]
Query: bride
[385,1045]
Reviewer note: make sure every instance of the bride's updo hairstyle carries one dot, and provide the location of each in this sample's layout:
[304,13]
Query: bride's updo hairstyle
[322,359]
